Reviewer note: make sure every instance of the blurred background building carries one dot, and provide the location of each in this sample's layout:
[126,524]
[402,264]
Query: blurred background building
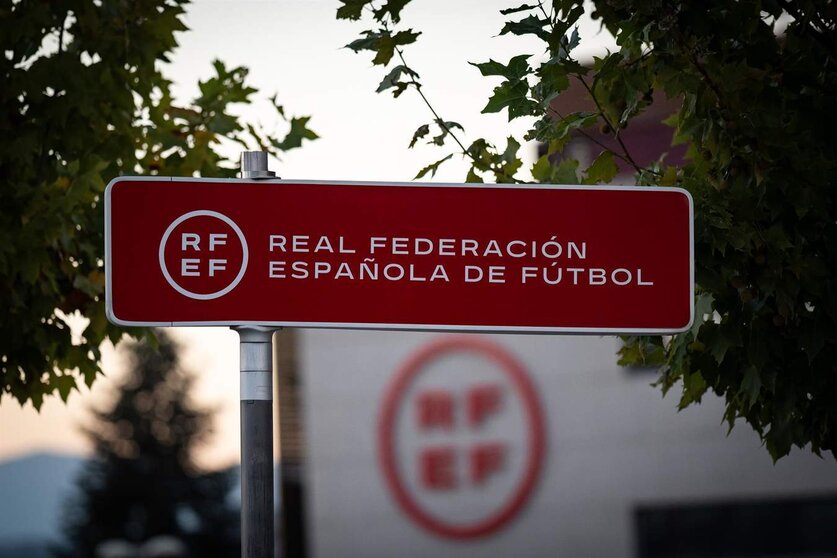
[622,473]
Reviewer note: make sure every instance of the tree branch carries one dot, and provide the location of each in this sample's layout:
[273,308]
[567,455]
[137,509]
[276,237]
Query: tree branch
[441,122]
[599,143]
[627,155]
[61,34]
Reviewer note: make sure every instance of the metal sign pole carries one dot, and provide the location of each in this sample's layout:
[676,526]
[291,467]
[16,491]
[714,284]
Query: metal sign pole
[256,344]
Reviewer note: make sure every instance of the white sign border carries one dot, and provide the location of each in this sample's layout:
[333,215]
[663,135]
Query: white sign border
[111,316]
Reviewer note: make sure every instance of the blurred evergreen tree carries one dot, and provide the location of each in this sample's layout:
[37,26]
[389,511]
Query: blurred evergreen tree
[142,481]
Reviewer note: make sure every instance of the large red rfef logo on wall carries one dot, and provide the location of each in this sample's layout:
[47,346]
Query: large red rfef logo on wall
[461,437]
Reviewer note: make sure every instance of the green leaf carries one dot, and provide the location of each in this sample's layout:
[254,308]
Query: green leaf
[542,169]
[565,47]
[383,43]
[779,439]
[445,129]
[261,141]
[574,121]
[669,177]
[508,162]
[719,339]
[641,352]
[36,396]
[392,80]
[392,8]
[432,168]
[386,44]
[482,155]
[566,172]
[553,80]
[694,386]
[521,8]
[512,96]
[299,131]
[369,41]
[516,69]
[65,383]
[703,311]
[602,170]
[420,132]
[473,177]
[751,386]
[531,25]
[351,9]
[512,147]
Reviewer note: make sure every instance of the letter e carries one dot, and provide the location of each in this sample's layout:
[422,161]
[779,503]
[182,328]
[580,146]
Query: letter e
[436,468]
[189,267]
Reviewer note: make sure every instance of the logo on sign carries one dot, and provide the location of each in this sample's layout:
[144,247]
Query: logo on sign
[461,437]
[203,254]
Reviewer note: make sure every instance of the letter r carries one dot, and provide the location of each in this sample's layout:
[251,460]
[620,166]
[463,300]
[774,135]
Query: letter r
[190,239]
[435,409]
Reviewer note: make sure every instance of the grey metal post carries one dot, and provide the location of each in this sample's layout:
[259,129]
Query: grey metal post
[256,344]
[256,442]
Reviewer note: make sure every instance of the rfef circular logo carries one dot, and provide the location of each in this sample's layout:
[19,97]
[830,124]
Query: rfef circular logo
[460,437]
[203,254]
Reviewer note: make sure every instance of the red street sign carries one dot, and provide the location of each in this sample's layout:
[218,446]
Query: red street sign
[539,258]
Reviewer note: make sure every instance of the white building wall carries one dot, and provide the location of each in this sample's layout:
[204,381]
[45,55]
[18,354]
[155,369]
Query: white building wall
[612,443]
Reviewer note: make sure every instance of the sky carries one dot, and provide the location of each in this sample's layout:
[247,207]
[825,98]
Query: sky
[295,49]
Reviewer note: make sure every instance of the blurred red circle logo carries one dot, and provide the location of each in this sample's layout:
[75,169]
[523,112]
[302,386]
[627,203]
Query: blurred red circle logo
[460,437]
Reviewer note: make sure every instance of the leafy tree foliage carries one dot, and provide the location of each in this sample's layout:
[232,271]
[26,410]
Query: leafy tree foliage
[83,100]
[142,481]
[757,85]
